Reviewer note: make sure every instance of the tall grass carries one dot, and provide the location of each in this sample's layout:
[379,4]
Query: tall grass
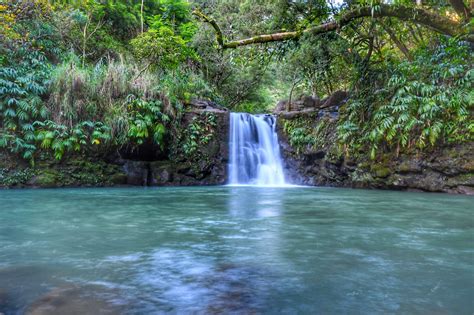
[104,92]
[91,93]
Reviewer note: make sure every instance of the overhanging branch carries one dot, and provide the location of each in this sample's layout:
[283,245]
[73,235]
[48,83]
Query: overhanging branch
[213,23]
[420,16]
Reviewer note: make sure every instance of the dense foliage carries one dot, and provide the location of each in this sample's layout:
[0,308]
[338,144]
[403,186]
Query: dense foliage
[82,75]
[423,102]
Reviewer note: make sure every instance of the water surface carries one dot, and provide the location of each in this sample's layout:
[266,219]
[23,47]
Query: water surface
[238,250]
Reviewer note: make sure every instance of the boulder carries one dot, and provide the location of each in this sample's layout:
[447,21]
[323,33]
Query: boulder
[311,101]
[305,102]
[206,105]
[137,172]
[337,99]
[280,107]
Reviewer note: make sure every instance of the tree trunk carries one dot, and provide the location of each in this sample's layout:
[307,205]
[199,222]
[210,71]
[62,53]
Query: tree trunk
[141,15]
[295,82]
[84,43]
[401,46]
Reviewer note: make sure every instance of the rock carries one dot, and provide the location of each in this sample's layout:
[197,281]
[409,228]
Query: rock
[72,301]
[380,170]
[337,99]
[136,172]
[45,178]
[118,179]
[280,107]
[296,114]
[465,190]
[163,173]
[308,102]
[410,166]
[206,105]
[312,157]
[305,102]
[443,169]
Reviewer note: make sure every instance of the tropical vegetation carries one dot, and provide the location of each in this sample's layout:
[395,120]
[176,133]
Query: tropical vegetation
[87,75]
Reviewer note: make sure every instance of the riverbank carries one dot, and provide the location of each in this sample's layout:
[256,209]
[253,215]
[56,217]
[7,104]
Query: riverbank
[201,157]
[196,154]
[314,156]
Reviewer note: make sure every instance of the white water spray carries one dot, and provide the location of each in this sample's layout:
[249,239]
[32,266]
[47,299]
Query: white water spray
[254,151]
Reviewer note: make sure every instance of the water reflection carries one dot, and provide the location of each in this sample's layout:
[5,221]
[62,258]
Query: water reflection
[250,202]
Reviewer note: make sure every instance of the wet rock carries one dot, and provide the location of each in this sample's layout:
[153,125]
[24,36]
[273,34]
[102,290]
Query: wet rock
[443,169]
[465,190]
[136,172]
[71,300]
[312,157]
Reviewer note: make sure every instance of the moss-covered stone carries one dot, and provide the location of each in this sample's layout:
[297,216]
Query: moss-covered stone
[380,170]
[46,178]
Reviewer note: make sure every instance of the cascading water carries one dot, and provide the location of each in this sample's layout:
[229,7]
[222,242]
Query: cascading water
[254,151]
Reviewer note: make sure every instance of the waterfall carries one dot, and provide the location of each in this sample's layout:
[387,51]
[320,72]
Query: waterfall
[254,151]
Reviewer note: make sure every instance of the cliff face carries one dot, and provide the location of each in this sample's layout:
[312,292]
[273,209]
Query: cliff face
[196,155]
[322,163]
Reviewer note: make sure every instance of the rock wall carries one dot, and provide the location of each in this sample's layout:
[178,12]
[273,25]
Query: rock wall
[321,162]
[207,165]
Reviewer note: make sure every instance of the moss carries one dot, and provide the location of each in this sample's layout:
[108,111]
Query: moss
[365,165]
[380,170]
[465,177]
[469,166]
[47,178]
[405,167]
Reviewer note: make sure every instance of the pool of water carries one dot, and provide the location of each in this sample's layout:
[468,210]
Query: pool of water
[235,250]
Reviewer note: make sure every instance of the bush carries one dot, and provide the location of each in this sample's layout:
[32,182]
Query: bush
[426,101]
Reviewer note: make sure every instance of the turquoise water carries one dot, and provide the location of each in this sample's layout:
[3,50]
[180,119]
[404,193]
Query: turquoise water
[237,250]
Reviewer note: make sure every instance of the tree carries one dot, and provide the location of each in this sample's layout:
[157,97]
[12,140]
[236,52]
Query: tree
[425,17]
[161,48]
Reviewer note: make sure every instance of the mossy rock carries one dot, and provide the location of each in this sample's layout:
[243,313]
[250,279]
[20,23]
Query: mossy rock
[409,166]
[46,178]
[361,179]
[380,170]
[17,177]
[118,179]
[469,166]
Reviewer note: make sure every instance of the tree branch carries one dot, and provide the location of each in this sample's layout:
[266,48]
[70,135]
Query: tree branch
[400,45]
[421,16]
[213,23]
